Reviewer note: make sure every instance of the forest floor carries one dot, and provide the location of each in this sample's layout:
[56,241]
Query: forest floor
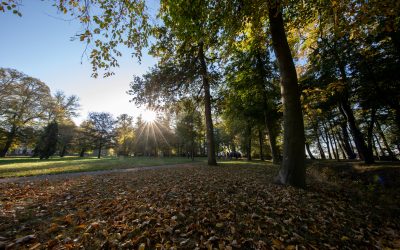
[232,206]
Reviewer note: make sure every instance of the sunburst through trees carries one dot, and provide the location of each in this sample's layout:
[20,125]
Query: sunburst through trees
[153,135]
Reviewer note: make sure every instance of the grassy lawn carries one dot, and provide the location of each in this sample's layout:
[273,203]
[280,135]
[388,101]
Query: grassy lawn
[26,166]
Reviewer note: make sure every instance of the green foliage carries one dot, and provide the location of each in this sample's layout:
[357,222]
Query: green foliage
[100,127]
[47,144]
[124,135]
[11,5]
[189,126]
[24,101]
[107,25]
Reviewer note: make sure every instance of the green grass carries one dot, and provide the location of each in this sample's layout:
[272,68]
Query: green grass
[24,166]
[242,162]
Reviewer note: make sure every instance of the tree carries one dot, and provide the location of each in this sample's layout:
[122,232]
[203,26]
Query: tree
[106,25]
[293,167]
[24,102]
[100,127]
[188,126]
[66,134]
[189,35]
[62,109]
[124,135]
[252,83]
[83,140]
[292,170]
[47,144]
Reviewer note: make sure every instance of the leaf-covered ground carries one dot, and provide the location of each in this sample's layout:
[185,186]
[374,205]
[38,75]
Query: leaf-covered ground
[197,207]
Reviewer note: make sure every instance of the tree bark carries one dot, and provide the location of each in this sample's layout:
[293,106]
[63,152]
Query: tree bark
[346,141]
[370,131]
[9,141]
[272,140]
[309,152]
[292,171]
[329,141]
[82,152]
[207,107]
[345,109]
[248,142]
[63,150]
[374,139]
[339,142]
[321,150]
[335,144]
[382,135]
[99,153]
[395,37]
[326,140]
[261,141]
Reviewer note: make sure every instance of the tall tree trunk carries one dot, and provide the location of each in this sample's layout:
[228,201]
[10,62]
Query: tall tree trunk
[395,37]
[396,108]
[261,141]
[382,135]
[346,110]
[249,142]
[374,139]
[329,141]
[309,151]
[370,131]
[9,141]
[192,147]
[82,152]
[207,107]
[293,170]
[379,146]
[269,122]
[99,153]
[321,150]
[344,156]
[63,150]
[326,140]
[346,141]
[335,145]
[356,133]
[272,140]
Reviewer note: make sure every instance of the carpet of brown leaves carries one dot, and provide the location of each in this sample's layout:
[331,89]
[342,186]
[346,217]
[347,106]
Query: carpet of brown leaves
[199,207]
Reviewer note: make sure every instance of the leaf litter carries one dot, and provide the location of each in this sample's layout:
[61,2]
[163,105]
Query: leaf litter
[224,207]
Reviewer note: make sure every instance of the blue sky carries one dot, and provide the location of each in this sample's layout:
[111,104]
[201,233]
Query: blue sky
[39,44]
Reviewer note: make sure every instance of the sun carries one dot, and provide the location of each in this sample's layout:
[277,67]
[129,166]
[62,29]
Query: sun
[149,116]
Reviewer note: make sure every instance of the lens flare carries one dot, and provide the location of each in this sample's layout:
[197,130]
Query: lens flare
[149,116]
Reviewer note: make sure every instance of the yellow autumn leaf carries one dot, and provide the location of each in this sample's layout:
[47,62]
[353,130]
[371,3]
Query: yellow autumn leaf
[142,246]
[345,238]
[81,226]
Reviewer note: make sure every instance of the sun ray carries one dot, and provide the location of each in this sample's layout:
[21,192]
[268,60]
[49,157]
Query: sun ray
[160,132]
[147,137]
[154,136]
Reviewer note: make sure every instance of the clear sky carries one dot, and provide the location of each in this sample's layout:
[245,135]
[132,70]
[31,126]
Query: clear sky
[39,44]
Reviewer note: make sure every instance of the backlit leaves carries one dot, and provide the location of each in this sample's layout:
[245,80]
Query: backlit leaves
[106,26]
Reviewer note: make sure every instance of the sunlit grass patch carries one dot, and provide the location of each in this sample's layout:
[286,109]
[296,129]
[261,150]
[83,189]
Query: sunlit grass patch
[23,166]
[245,162]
